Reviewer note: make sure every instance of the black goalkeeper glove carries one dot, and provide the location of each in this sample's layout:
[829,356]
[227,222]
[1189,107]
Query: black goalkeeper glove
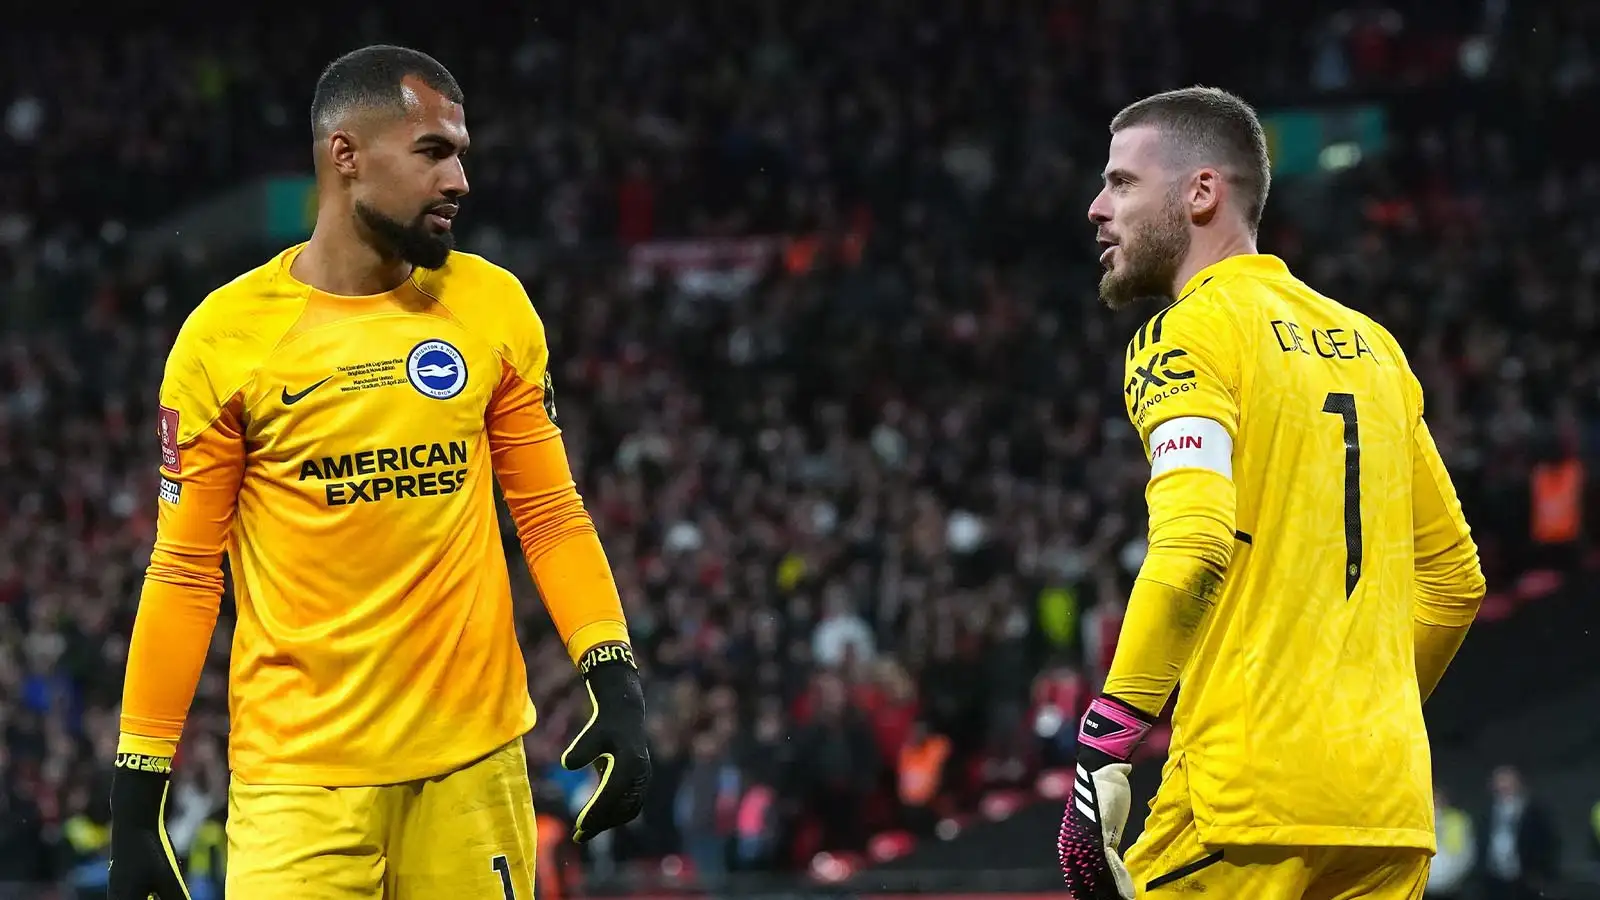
[613,740]
[1089,845]
[142,862]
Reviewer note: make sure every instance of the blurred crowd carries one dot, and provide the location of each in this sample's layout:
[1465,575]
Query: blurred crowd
[874,514]
[1510,852]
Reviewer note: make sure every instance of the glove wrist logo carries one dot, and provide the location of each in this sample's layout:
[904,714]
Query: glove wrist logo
[606,653]
[141,762]
[1113,728]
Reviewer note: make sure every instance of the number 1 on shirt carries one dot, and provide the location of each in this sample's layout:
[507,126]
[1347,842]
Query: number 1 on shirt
[1344,406]
[502,867]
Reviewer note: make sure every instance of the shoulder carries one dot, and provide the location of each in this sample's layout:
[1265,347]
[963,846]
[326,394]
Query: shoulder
[489,301]
[467,280]
[1185,361]
[1392,356]
[1201,321]
[239,323]
[225,339]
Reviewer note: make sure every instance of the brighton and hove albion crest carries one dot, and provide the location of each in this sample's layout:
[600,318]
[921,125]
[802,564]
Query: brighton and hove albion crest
[436,369]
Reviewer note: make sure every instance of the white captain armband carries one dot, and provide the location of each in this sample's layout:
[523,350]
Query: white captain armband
[1191,442]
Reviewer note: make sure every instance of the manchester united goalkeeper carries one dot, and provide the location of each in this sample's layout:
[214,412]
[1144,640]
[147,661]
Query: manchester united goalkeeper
[1309,573]
[334,422]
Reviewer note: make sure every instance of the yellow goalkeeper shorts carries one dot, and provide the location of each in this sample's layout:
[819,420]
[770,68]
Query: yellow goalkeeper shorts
[1168,861]
[468,834]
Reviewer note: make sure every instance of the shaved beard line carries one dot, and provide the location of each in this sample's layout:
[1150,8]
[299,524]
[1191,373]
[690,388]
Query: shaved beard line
[412,243]
[1158,251]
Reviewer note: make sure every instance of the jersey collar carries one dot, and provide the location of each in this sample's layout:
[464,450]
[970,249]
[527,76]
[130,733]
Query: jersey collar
[1256,264]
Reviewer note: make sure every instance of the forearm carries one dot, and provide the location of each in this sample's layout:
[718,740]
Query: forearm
[1191,544]
[561,546]
[1436,646]
[557,534]
[1158,637]
[1449,578]
[575,581]
[171,637]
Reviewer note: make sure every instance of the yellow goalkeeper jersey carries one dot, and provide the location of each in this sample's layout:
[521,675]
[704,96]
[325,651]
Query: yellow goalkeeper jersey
[343,452]
[1299,719]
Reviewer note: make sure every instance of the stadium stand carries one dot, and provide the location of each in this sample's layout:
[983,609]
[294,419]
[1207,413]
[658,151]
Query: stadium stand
[831,371]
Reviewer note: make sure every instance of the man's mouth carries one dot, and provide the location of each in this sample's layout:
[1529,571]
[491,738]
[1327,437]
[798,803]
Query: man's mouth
[1107,249]
[440,216]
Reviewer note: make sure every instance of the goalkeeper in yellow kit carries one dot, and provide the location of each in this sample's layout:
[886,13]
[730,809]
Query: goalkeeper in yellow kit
[1309,574]
[336,421]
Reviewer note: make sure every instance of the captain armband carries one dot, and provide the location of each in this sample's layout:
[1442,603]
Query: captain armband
[1191,442]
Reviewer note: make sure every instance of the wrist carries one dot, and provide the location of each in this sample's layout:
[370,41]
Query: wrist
[144,764]
[606,655]
[1111,730]
[613,677]
[139,788]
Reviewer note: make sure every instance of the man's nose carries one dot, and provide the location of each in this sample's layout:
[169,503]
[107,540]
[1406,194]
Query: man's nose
[1100,209]
[455,181]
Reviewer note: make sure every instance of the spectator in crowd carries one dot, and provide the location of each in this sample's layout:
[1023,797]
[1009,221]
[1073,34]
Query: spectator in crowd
[23,860]
[1060,696]
[206,871]
[1556,491]
[889,702]
[199,794]
[556,871]
[708,799]
[839,772]
[842,639]
[1451,874]
[86,844]
[922,762]
[658,822]
[1521,853]
[768,760]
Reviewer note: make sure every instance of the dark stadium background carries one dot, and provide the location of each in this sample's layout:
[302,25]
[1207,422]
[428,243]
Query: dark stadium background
[820,295]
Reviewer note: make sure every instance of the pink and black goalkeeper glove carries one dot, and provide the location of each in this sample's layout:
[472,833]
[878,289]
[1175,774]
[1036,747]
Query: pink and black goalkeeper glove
[1097,811]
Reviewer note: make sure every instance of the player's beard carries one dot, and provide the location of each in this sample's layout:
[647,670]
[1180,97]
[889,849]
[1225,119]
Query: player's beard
[414,242]
[1150,258]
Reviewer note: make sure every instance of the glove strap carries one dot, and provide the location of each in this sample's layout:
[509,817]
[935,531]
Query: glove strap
[143,762]
[139,789]
[1113,728]
[605,654]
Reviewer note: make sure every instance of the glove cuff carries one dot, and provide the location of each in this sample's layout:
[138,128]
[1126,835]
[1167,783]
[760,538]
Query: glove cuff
[607,654]
[1110,732]
[139,788]
[613,677]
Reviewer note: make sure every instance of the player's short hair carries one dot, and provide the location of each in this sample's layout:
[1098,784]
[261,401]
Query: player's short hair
[369,80]
[1210,126]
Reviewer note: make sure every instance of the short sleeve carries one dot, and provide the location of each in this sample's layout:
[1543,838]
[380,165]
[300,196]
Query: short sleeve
[190,398]
[521,335]
[207,368]
[1185,361]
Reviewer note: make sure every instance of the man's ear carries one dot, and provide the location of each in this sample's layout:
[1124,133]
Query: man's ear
[1203,195]
[341,149]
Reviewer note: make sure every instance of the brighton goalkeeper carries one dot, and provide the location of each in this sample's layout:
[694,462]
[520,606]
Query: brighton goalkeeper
[335,421]
[1309,574]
